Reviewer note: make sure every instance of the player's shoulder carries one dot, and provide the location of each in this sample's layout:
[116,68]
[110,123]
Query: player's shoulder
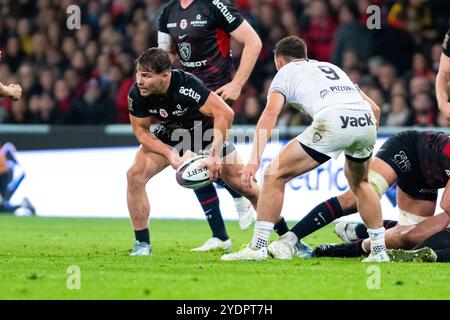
[168,6]
[134,91]
[446,44]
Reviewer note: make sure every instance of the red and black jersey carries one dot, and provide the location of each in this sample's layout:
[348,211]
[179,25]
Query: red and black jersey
[421,161]
[446,44]
[201,36]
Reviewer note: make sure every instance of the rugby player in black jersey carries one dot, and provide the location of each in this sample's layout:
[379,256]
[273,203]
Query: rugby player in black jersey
[199,33]
[185,108]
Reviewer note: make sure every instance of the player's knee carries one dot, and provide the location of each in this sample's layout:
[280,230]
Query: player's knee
[445,205]
[273,175]
[347,201]
[136,178]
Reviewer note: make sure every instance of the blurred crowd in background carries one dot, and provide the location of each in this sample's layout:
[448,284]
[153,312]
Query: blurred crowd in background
[83,76]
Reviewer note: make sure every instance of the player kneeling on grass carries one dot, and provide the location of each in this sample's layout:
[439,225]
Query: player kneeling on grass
[187,110]
[343,121]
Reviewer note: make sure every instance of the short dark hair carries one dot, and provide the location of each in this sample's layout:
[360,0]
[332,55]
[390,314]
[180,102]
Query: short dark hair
[291,47]
[154,59]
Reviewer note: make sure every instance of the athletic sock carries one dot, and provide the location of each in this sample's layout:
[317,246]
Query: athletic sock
[207,196]
[443,255]
[4,180]
[376,236]
[233,193]
[361,230]
[261,235]
[318,217]
[142,235]
[281,227]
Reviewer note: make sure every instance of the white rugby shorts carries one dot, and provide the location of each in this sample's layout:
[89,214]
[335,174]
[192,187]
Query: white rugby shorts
[342,129]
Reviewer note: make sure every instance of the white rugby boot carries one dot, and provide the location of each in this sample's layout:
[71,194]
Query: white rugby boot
[214,244]
[246,213]
[247,254]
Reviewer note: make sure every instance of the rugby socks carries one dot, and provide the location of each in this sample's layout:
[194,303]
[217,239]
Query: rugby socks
[233,193]
[361,230]
[4,180]
[443,255]
[142,235]
[261,235]
[207,196]
[376,236]
[318,217]
[281,227]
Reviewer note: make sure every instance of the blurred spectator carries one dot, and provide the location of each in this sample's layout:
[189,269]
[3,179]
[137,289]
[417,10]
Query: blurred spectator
[319,31]
[350,29]
[83,76]
[93,107]
[400,114]
[424,114]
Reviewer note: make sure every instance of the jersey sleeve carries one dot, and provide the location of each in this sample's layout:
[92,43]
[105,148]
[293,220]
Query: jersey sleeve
[163,20]
[136,105]
[280,84]
[227,16]
[195,92]
[446,44]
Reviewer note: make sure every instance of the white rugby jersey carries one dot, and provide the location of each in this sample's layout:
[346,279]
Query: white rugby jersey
[311,85]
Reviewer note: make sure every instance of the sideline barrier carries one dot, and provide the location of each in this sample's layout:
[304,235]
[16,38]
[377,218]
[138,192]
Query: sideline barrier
[91,182]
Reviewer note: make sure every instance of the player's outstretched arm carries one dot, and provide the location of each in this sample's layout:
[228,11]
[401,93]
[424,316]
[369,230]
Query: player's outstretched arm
[151,143]
[375,108]
[445,201]
[264,127]
[246,35]
[442,79]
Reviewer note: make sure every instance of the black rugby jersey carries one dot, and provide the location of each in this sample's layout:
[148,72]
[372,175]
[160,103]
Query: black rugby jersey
[446,44]
[201,37]
[433,154]
[178,108]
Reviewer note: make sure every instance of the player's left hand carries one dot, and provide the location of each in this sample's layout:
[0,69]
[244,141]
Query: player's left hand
[230,91]
[214,167]
[248,174]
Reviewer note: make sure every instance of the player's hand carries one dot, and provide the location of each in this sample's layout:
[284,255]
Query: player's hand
[175,160]
[214,167]
[249,174]
[445,109]
[230,91]
[13,91]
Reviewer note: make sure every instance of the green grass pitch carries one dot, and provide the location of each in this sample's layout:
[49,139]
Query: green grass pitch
[36,253]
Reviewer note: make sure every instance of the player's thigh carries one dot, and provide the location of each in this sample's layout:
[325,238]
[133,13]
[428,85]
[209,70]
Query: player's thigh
[146,165]
[356,171]
[384,170]
[414,205]
[290,163]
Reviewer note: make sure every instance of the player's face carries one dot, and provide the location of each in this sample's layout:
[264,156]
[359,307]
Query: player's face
[149,82]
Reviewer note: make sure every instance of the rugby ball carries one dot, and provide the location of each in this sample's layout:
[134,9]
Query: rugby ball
[189,176]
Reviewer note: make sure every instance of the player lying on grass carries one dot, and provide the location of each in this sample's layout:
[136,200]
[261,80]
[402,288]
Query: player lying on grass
[418,162]
[344,120]
[434,248]
[188,110]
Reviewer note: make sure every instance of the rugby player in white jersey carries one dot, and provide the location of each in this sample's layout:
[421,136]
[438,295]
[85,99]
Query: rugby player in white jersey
[344,120]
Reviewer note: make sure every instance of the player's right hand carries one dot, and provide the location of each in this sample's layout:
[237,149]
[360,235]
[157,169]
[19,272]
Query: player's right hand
[14,91]
[175,160]
[248,174]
